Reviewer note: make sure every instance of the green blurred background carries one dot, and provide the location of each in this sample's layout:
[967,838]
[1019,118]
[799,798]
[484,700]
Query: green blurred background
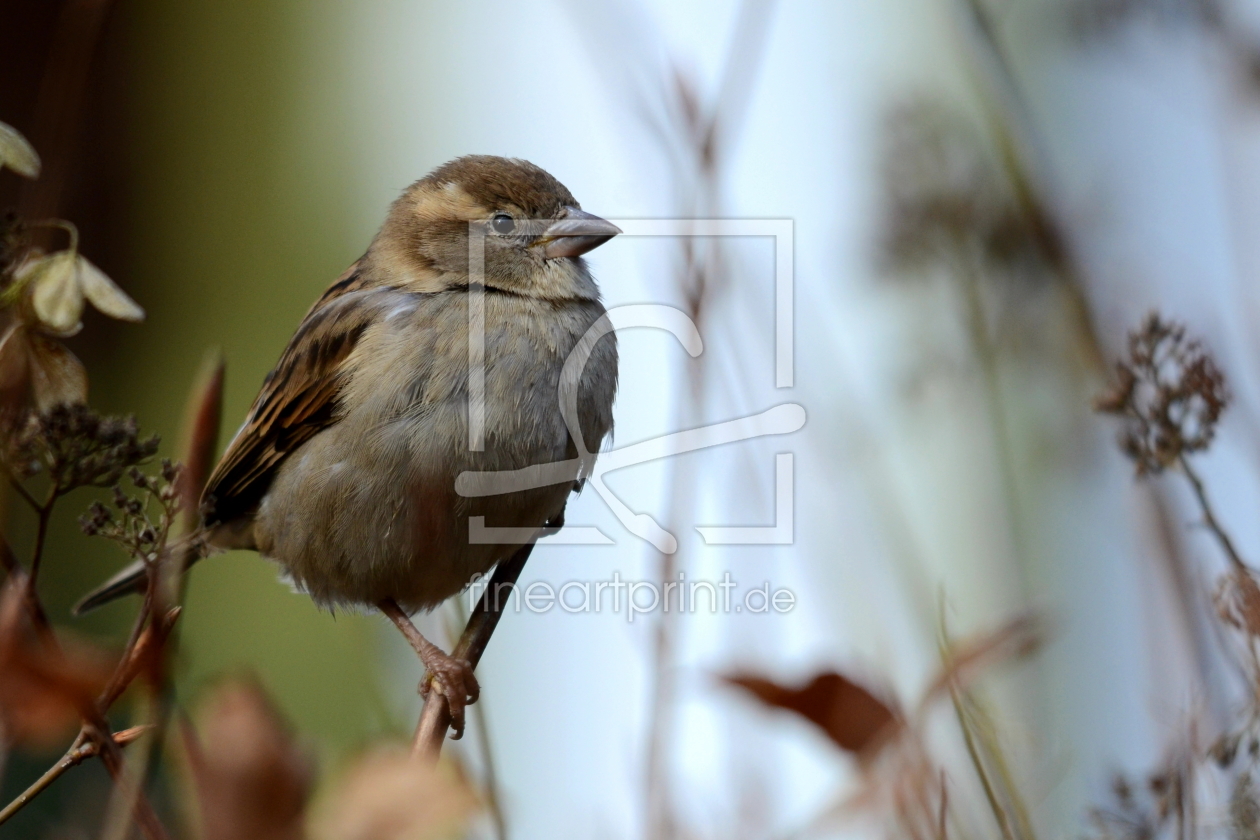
[194,192]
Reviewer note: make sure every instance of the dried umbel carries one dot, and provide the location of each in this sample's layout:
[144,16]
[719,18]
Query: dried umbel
[143,521]
[1170,393]
[1143,810]
[77,447]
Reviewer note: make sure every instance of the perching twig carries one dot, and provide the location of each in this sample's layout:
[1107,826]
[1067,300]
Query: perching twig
[489,782]
[435,718]
[77,754]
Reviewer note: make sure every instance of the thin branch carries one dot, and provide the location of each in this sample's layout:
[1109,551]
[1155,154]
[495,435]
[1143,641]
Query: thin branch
[23,492]
[435,718]
[41,534]
[977,761]
[1209,516]
[147,632]
[8,560]
[75,756]
[490,781]
[111,757]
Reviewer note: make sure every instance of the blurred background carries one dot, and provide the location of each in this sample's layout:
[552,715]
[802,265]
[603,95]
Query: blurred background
[986,195]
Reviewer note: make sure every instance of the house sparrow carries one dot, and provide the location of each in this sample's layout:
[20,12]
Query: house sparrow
[344,471]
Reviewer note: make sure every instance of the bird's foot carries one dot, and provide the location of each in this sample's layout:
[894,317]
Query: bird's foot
[454,680]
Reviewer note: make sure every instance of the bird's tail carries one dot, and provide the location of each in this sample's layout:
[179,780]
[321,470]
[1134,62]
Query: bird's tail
[134,577]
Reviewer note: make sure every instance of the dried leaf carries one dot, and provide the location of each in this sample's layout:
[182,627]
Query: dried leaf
[43,686]
[57,295]
[854,718]
[16,153]
[1237,600]
[251,779]
[105,295]
[1018,638]
[390,796]
[201,432]
[57,375]
[15,368]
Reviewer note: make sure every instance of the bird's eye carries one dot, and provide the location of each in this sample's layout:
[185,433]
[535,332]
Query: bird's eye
[503,224]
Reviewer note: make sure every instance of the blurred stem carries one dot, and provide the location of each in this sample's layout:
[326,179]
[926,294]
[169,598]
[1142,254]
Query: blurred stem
[24,493]
[75,756]
[491,780]
[1010,127]
[977,761]
[167,580]
[41,536]
[984,747]
[1209,516]
[128,789]
[1004,443]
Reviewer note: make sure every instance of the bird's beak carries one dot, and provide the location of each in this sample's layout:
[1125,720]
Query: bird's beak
[575,233]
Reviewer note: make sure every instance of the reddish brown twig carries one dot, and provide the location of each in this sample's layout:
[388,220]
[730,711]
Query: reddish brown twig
[76,755]
[435,718]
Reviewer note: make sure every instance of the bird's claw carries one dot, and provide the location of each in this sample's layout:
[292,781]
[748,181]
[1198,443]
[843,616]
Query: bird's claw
[455,681]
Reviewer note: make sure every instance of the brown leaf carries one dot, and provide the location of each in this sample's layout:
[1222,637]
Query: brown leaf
[854,718]
[44,686]
[15,368]
[252,781]
[390,796]
[1237,600]
[1018,638]
[57,375]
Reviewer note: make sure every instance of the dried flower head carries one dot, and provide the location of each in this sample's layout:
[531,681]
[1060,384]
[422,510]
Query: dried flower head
[1140,811]
[60,283]
[144,520]
[42,298]
[1170,393]
[16,153]
[78,447]
[947,196]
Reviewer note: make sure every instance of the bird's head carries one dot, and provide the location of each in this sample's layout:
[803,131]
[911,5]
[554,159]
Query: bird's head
[529,227]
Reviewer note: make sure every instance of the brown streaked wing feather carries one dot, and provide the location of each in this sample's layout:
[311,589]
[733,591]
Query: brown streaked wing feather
[298,398]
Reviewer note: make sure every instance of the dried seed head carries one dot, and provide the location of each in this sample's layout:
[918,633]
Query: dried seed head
[78,447]
[1170,394]
[1237,601]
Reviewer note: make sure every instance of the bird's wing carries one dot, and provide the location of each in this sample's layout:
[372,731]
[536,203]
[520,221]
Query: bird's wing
[298,398]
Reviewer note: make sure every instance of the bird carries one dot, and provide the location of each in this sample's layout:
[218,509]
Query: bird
[344,471]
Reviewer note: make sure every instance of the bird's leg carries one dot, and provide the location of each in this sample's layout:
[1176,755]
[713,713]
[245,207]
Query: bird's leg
[454,676]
